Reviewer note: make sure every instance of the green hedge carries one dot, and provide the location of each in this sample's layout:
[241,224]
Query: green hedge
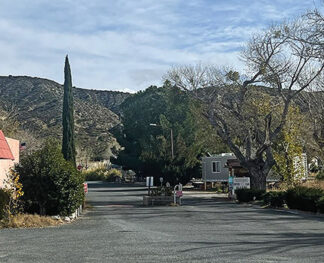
[275,199]
[320,204]
[247,195]
[300,197]
[4,200]
[304,198]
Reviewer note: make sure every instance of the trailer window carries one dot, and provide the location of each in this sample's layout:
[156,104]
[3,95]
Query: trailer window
[216,167]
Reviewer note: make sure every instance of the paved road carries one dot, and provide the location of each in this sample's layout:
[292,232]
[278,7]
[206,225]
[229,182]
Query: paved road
[119,229]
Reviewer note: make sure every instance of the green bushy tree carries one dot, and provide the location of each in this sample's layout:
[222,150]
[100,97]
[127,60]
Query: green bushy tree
[51,184]
[148,148]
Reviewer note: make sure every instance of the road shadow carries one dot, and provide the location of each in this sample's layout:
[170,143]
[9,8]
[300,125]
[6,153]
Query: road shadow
[250,244]
[202,205]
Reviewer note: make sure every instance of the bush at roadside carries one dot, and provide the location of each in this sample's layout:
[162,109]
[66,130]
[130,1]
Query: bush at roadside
[98,174]
[300,197]
[102,174]
[161,191]
[248,195]
[304,198]
[51,185]
[320,204]
[221,188]
[320,175]
[113,174]
[275,198]
[4,201]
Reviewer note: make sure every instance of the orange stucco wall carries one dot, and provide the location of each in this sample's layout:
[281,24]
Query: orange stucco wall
[5,165]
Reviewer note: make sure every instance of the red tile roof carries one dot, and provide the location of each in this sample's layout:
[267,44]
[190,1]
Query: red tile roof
[5,152]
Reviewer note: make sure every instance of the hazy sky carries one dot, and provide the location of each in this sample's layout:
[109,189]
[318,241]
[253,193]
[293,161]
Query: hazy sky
[128,45]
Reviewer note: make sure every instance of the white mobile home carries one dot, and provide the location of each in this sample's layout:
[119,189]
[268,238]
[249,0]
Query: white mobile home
[213,167]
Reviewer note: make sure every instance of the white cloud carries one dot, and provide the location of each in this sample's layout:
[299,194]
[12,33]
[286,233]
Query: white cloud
[128,45]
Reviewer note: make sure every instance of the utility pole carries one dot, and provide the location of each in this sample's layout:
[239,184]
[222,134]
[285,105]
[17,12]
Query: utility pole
[171,138]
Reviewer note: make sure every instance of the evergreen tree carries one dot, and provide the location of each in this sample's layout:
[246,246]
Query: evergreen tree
[147,149]
[68,145]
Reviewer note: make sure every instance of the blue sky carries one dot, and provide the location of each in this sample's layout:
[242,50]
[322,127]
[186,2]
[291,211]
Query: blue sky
[128,45]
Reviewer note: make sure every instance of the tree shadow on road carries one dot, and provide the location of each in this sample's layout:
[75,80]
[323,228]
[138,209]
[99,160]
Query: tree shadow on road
[249,244]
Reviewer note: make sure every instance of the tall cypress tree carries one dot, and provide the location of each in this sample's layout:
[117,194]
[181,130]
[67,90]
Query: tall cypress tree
[68,145]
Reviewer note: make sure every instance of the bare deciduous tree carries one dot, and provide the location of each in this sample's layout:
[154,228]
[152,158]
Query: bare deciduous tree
[313,28]
[282,63]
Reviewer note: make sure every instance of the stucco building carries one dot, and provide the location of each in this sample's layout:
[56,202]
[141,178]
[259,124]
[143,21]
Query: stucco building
[9,155]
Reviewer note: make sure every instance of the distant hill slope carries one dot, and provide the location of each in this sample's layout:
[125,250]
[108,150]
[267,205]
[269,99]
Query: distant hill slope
[38,106]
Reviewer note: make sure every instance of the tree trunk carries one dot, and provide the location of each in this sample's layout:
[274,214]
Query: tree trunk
[42,209]
[257,178]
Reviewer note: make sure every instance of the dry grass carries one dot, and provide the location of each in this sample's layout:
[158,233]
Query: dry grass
[310,183]
[27,220]
[314,183]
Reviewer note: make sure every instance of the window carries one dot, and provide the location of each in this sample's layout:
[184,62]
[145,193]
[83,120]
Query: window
[216,167]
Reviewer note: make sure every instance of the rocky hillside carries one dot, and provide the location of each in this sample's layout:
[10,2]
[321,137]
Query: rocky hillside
[37,105]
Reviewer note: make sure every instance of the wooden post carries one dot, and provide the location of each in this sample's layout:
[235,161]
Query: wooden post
[205,173]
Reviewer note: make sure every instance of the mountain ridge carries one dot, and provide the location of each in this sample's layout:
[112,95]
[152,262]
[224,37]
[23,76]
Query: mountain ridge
[37,104]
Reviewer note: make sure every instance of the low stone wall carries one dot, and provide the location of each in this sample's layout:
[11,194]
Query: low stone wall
[157,200]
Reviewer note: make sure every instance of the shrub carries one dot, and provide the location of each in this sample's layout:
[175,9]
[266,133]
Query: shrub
[102,174]
[113,174]
[221,188]
[275,198]
[13,187]
[51,184]
[303,198]
[161,191]
[320,204]
[320,175]
[98,174]
[4,201]
[247,195]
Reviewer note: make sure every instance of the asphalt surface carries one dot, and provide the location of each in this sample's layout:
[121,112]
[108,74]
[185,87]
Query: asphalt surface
[205,229]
